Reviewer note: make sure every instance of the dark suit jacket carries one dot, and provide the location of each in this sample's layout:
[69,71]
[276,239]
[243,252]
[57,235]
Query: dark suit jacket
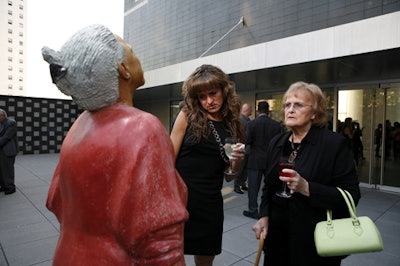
[259,132]
[8,137]
[244,120]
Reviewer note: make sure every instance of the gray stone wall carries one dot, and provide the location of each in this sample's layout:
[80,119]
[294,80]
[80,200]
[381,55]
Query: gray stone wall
[166,32]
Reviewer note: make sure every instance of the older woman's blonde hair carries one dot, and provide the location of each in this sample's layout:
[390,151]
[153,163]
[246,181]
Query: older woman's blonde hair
[316,96]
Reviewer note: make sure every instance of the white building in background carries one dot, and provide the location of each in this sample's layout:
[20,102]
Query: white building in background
[27,26]
[13,47]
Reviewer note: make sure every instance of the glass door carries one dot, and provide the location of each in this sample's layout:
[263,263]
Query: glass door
[389,116]
[375,117]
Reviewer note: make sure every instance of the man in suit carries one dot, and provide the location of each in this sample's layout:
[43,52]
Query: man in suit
[259,132]
[8,152]
[240,180]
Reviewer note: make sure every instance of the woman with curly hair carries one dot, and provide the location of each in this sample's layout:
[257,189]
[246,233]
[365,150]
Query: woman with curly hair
[211,113]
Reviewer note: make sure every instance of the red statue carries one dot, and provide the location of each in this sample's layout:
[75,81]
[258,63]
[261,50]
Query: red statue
[115,191]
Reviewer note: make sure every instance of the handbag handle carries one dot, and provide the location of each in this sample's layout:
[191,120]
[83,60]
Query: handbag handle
[349,201]
[352,210]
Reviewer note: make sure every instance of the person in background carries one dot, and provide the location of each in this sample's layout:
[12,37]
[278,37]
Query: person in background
[323,162]
[378,139]
[388,139]
[211,113]
[348,132]
[396,141]
[358,147]
[8,152]
[115,190]
[241,180]
[259,132]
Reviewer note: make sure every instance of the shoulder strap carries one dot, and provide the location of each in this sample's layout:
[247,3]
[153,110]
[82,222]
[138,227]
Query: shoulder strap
[218,140]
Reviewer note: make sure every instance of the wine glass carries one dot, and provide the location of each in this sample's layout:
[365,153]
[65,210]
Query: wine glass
[230,144]
[285,164]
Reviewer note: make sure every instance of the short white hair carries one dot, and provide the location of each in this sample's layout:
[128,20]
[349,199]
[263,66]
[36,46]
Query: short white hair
[86,67]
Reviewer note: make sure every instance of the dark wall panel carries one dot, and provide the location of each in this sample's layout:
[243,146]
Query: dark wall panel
[42,123]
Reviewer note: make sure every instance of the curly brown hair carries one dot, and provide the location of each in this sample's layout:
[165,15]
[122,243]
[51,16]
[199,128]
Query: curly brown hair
[206,77]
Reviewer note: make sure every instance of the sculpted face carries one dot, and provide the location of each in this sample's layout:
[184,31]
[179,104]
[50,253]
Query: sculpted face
[132,65]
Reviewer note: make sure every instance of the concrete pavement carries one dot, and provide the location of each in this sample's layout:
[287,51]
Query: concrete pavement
[29,232]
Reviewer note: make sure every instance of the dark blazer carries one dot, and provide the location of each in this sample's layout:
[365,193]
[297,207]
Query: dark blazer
[8,137]
[259,132]
[325,161]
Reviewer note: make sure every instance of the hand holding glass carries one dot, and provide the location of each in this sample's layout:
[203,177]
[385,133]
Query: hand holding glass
[230,144]
[284,164]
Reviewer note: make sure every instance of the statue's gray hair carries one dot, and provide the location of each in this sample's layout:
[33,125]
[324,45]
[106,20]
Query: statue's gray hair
[86,67]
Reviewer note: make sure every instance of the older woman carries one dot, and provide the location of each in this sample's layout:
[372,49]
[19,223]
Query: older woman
[322,163]
[211,113]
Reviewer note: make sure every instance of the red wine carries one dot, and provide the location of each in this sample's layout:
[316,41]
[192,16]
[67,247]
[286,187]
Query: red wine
[287,166]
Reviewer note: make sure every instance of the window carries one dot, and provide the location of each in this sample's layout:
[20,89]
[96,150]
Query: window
[21,88]
[20,79]
[21,61]
[21,70]
[10,31]
[21,16]
[10,59]
[10,49]
[9,77]
[9,40]
[21,25]
[10,86]
[10,12]
[21,7]
[21,52]
[10,68]
[21,43]
[10,22]
[21,34]
[9,2]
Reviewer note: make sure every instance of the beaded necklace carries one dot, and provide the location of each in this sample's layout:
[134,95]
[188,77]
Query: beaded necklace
[293,155]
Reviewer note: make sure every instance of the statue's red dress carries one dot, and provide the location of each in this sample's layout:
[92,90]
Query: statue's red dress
[116,193]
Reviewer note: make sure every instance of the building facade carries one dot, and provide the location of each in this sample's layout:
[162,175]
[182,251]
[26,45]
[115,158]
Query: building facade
[350,48]
[12,47]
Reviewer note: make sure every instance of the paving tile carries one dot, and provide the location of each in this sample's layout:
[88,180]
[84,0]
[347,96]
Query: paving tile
[27,233]
[31,253]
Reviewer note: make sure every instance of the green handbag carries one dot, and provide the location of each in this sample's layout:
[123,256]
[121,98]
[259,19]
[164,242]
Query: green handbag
[348,235]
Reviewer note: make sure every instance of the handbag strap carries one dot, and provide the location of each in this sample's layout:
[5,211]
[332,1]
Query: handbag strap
[218,140]
[349,201]
[350,205]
